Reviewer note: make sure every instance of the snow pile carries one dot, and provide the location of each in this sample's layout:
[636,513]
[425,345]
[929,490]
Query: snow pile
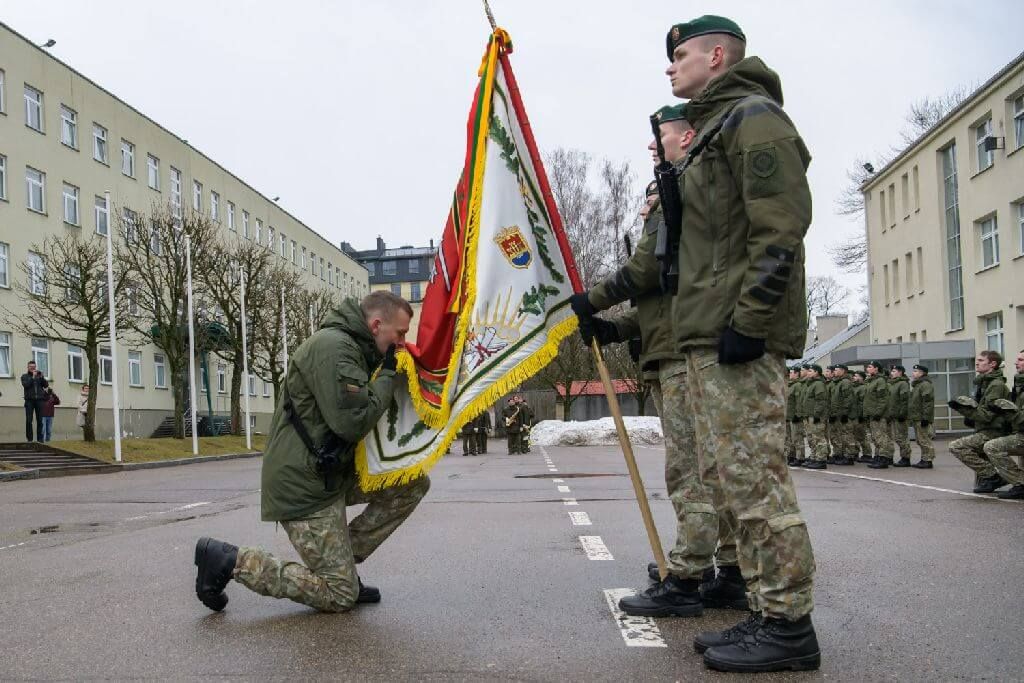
[642,431]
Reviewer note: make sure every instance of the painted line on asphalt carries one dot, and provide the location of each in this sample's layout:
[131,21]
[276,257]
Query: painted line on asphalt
[580,518]
[563,489]
[968,494]
[595,548]
[569,501]
[558,481]
[636,631]
[167,512]
[16,545]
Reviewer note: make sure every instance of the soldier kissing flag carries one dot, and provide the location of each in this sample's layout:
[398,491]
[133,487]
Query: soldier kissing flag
[496,306]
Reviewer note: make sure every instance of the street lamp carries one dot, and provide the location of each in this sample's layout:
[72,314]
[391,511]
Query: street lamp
[49,43]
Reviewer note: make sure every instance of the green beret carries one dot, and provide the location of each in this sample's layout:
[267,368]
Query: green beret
[878,366]
[862,374]
[815,367]
[900,368]
[843,366]
[652,188]
[922,368]
[671,112]
[701,26]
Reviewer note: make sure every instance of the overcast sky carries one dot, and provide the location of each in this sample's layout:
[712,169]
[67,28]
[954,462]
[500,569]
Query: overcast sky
[354,111]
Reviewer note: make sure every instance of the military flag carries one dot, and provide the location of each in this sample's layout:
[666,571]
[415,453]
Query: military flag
[496,307]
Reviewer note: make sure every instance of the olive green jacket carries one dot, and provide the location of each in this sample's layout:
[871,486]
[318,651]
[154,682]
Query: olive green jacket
[815,399]
[1017,419]
[830,386]
[747,207]
[842,400]
[857,409]
[921,407]
[794,391]
[899,398]
[876,398]
[329,384]
[988,388]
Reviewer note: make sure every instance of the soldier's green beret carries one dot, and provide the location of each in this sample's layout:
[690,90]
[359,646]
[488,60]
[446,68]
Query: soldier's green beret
[843,366]
[815,367]
[862,374]
[652,188]
[922,368]
[671,112]
[701,26]
[900,368]
[878,366]
[805,366]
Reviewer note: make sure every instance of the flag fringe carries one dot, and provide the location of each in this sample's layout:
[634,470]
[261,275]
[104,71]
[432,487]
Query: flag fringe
[516,376]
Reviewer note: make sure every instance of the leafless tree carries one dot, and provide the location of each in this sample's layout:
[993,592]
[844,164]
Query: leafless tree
[268,360]
[620,206]
[824,295]
[850,254]
[63,297]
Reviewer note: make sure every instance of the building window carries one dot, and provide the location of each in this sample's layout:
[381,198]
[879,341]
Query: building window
[3,177]
[294,253]
[920,271]
[908,266]
[36,274]
[70,204]
[245,224]
[284,244]
[252,384]
[1018,121]
[99,143]
[905,194]
[896,279]
[101,214]
[222,385]
[270,237]
[41,355]
[197,195]
[881,209]
[135,368]
[214,205]
[954,261]
[68,126]
[127,158]
[258,234]
[3,94]
[5,267]
[396,288]
[35,189]
[231,216]
[1020,227]
[330,274]
[72,283]
[414,266]
[76,364]
[204,379]
[917,189]
[892,205]
[266,389]
[982,131]
[106,365]
[33,108]
[159,371]
[390,267]
[176,192]
[989,234]
[321,268]
[5,354]
[153,171]
[994,332]
[372,267]
[414,292]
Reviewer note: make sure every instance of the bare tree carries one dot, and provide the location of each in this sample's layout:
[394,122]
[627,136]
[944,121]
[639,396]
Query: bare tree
[64,297]
[928,111]
[850,254]
[307,309]
[824,295]
[620,205]
[269,342]
[151,260]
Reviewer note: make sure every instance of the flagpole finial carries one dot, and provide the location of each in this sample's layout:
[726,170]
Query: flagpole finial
[490,15]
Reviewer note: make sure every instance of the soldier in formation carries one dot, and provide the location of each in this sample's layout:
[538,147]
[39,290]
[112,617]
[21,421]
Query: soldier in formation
[921,414]
[999,450]
[899,404]
[511,418]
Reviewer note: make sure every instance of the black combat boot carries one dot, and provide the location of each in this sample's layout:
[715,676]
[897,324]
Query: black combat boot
[367,593]
[673,597]
[902,462]
[772,645]
[923,465]
[215,561]
[1015,492]
[990,484]
[880,463]
[831,460]
[728,590]
[815,465]
[795,462]
[867,459]
[709,639]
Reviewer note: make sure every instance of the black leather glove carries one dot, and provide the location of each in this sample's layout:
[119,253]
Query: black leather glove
[795,420]
[969,422]
[863,420]
[581,306]
[734,348]
[817,420]
[844,419]
[603,331]
[953,403]
[925,423]
[390,361]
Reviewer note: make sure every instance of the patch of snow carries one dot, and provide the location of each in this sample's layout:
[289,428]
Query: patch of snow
[644,430]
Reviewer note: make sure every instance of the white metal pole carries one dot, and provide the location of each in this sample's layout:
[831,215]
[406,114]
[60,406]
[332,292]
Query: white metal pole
[284,333]
[191,347]
[311,330]
[113,331]
[245,360]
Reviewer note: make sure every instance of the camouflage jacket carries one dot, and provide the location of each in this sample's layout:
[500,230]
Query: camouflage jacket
[815,399]
[794,390]
[988,388]
[1017,419]
[921,407]
[899,398]
[842,400]
[876,398]
[747,207]
[857,409]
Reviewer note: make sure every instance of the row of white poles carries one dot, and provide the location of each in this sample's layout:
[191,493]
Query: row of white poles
[191,343]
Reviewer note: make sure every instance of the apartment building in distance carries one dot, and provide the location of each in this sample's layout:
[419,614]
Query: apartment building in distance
[64,140]
[945,235]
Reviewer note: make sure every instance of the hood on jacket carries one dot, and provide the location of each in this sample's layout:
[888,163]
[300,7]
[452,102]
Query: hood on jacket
[349,318]
[749,76]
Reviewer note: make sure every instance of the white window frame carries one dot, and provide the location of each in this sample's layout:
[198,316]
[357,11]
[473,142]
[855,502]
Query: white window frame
[153,172]
[294,252]
[302,259]
[270,237]
[330,274]
[203,379]
[76,364]
[415,293]
[396,288]
[176,192]
[245,224]
[127,158]
[68,127]
[3,177]
[266,389]
[231,216]
[1020,227]
[985,158]
[258,234]
[284,244]
[106,366]
[214,206]
[159,371]
[70,193]
[36,274]
[994,340]
[33,184]
[5,265]
[5,355]
[413,266]
[3,91]
[1018,120]
[197,195]
[41,355]
[222,386]
[100,150]
[322,278]
[101,214]
[988,232]
[34,105]
[135,368]
[312,265]
[252,384]
[385,270]
[72,282]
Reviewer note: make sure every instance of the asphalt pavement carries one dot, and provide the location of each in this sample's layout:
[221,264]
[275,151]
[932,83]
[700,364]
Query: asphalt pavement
[496,577]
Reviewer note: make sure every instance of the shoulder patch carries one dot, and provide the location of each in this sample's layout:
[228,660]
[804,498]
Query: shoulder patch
[764,162]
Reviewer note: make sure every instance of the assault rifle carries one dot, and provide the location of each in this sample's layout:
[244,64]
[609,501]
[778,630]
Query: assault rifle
[636,343]
[666,249]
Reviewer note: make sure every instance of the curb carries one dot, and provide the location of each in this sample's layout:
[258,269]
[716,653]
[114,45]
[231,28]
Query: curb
[22,474]
[127,466]
[114,468]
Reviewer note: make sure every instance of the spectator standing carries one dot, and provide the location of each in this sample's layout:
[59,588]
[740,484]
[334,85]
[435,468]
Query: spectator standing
[34,385]
[50,403]
[83,406]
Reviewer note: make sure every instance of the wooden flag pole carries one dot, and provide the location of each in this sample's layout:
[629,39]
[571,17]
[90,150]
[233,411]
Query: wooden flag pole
[627,452]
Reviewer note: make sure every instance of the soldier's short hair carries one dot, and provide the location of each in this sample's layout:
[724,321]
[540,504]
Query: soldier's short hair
[992,356]
[384,304]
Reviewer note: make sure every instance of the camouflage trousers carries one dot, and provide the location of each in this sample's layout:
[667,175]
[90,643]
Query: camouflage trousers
[900,437]
[1000,451]
[740,413]
[970,450]
[705,529]
[860,438]
[924,436]
[330,548]
[881,438]
[842,438]
[816,440]
[795,439]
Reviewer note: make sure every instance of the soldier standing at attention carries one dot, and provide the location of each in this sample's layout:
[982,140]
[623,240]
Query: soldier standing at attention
[860,429]
[815,413]
[899,390]
[841,405]
[793,435]
[921,413]
[483,427]
[989,423]
[510,418]
[469,439]
[308,493]
[525,424]
[829,436]
[804,372]
[876,410]
[998,451]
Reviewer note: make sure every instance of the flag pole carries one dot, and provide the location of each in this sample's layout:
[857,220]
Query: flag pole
[245,359]
[284,333]
[577,286]
[116,399]
[191,347]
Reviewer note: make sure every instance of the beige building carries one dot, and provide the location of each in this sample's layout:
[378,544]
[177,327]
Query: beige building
[64,140]
[945,235]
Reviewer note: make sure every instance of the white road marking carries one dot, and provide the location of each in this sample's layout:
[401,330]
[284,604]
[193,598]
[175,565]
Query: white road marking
[595,548]
[911,485]
[552,469]
[569,501]
[580,518]
[14,546]
[636,631]
[167,512]
[557,481]
[563,489]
